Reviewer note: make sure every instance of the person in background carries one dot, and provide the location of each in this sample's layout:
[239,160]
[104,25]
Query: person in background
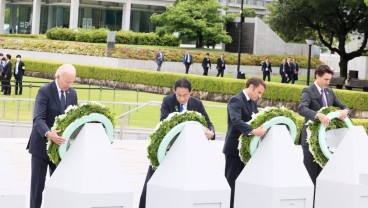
[7,75]
[240,109]
[283,71]
[266,69]
[296,70]
[2,66]
[18,75]
[220,66]
[187,61]
[206,64]
[159,59]
[179,101]
[290,70]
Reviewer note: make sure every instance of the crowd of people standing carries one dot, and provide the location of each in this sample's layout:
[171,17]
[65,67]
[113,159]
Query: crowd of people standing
[7,71]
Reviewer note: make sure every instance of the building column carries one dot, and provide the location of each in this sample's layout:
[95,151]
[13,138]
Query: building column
[74,10]
[13,19]
[2,15]
[127,9]
[36,13]
[50,17]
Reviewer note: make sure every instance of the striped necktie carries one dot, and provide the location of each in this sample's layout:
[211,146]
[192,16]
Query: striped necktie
[62,101]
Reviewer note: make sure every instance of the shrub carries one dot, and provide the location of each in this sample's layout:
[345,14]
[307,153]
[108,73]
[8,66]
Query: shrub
[58,33]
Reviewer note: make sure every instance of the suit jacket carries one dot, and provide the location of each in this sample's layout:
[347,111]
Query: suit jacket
[7,70]
[47,107]
[159,57]
[185,59]
[170,104]
[239,111]
[21,68]
[265,66]
[311,102]
[206,62]
[220,64]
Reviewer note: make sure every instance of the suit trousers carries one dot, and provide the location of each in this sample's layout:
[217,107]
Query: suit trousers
[187,65]
[18,85]
[220,72]
[38,178]
[205,71]
[142,200]
[233,168]
[7,86]
[268,75]
[312,167]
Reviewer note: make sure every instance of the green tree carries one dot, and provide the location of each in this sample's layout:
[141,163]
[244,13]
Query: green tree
[332,21]
[198,20]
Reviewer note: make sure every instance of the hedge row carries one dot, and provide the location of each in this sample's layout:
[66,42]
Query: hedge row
[275,91]
[121,37]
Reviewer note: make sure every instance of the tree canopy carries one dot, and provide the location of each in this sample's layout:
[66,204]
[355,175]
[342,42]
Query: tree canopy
[329,20]
[198,20]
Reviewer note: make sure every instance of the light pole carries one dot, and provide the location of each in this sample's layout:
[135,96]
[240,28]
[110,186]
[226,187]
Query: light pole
[310,41]
[240,35]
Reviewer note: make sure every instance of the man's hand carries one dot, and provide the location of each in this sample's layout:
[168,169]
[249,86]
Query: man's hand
[323,118]
[53,136]
[258,131]
[209,134]
[343,114]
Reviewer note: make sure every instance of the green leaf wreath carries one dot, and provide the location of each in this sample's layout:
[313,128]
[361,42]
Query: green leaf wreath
[312,134]
[71,114]
[165,126]
[257,120]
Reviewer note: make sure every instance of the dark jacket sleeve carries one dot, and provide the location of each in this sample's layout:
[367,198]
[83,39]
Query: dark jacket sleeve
[234,109]
[202,110]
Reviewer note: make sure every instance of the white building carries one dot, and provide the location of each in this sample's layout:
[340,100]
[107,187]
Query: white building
[37,16]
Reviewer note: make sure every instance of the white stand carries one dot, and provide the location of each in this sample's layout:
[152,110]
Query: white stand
[343,182]
[11,192]
[275,176]
[188,176]
[89,175]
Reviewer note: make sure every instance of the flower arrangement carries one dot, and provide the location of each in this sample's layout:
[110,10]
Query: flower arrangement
[165,126]
[258,120]
[313,134]
[72,114]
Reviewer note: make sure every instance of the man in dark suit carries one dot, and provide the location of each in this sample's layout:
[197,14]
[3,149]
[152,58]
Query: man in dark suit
[283,71]
[18,75]
[206,64]
[187,61]
[315,97]
[266,69]
[178,102]
[51,101]
[296,71]
[2,66]
[220,66]
[239,111]
[7,75]
[159,59]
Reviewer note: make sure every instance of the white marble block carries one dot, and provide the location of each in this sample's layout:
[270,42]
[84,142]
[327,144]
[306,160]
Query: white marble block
[89,175]
[189,176]
[12,194]
[343,182]
[275,176]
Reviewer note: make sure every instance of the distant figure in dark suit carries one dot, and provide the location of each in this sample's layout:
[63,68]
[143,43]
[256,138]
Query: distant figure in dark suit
[7,75]
[18,75]
[266,70]
[296,71]
[206,64]
[159,59]
[187,61]
[2,66]
[290,70]
[240,109]
[51,101]
[315,97]
[178,102]
[283,71]
[220,66]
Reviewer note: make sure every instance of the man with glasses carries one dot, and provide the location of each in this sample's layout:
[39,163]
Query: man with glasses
[179,101]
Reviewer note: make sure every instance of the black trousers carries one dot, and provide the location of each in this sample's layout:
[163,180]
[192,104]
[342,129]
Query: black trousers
[220,72]
[268,75]
[159,64]
[19,85]
[187,65]
[312,167]
[7,87]
[233,168]
[142,200]
[38,178]
[205,71]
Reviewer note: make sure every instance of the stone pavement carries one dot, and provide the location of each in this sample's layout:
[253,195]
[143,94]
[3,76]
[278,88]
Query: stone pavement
[132,154]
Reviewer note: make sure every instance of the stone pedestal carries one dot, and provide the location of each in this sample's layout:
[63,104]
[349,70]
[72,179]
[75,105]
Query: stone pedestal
[12,194]
[189,176]
[89,175]
[275,176]
[343,182]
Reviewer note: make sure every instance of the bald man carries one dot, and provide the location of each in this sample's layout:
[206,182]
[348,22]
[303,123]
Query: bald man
[51,101]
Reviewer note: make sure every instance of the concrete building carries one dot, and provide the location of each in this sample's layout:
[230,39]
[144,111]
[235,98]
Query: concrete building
[37,16]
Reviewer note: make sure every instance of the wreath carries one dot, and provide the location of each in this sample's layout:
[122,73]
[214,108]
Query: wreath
[74,117]
[268,117]
[165,126]
[316,134]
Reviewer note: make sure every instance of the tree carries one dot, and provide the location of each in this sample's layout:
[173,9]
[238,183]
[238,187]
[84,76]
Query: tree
[332,21]
[198,20]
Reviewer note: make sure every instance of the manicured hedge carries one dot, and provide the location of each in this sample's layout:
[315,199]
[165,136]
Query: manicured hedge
[275,91]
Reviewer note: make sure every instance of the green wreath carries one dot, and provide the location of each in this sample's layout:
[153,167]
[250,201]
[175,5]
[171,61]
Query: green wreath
[258,120]
[71,115]
[165,126]
[316,131]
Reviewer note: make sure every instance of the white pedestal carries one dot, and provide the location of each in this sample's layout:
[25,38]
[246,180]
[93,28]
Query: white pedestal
[89,175]
[343,182]
[11,192]
[275,176]
[189,177]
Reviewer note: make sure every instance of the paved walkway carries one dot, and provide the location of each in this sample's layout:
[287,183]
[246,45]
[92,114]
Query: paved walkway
[132,154]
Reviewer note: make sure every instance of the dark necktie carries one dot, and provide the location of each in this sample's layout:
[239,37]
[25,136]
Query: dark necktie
[324,103]
[181,108]
[62,101]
